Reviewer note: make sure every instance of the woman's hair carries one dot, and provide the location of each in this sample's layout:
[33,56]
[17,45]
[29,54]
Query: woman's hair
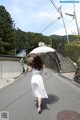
[37,63]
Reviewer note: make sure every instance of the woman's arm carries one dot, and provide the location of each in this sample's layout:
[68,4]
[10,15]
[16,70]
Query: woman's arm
[44,69]
[30,68]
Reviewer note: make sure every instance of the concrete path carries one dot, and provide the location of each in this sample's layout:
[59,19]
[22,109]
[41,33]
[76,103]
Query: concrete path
[63,102]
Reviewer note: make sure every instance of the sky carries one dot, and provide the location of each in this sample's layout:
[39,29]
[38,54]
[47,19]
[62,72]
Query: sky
[40,16]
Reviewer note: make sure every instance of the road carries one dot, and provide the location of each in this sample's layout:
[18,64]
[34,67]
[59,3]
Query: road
[64,98]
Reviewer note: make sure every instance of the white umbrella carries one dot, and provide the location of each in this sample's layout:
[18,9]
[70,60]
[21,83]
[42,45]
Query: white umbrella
[42,49]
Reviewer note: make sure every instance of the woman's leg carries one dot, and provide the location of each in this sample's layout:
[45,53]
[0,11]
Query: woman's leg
[39,104]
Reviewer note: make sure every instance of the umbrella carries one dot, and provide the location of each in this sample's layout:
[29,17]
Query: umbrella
[42,49]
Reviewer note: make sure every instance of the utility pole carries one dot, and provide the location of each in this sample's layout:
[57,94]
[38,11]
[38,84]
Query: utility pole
[64,24]
[74,16]
[76,19]
[60,12]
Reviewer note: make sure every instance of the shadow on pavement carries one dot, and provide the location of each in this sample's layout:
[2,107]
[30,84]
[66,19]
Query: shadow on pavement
[51,100]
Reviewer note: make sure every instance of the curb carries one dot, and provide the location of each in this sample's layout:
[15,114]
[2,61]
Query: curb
[8,81]
[71,80]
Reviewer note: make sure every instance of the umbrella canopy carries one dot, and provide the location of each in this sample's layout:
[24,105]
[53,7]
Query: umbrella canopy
[42,49]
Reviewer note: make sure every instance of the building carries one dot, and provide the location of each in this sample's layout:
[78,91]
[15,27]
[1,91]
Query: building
[10,66]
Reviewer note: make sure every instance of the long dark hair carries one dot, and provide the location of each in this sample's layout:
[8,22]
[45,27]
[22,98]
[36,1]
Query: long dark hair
[37,63]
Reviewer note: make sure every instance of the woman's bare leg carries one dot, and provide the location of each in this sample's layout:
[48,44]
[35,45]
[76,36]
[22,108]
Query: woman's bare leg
[39,104]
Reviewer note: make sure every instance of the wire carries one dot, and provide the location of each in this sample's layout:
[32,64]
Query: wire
[54,5]
[47,21]
[51,24]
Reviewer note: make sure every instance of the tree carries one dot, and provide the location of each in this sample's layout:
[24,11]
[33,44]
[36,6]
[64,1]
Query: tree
[29,40]
[6,32]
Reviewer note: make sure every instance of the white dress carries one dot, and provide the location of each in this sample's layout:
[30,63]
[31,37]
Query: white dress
[38,85]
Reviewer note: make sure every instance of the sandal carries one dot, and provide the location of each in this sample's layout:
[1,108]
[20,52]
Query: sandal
[39,110]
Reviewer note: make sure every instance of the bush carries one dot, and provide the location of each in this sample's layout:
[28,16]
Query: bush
[73,51]
[78,61]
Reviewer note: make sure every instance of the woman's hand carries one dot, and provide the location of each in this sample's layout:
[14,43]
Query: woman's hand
[44,69]
[29,68]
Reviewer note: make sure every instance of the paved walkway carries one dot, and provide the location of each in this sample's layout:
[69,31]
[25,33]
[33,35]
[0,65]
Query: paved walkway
[69,75]
[63,102]
[5,82]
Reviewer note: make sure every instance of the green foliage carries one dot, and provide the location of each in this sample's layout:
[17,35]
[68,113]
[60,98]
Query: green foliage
[74,38]
[73,50]
[20,39]
[6,31]
[57,41]
[78,61]
[1,45]
[27,40]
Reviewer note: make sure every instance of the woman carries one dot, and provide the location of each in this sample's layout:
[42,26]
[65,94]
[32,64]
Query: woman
[37,84]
